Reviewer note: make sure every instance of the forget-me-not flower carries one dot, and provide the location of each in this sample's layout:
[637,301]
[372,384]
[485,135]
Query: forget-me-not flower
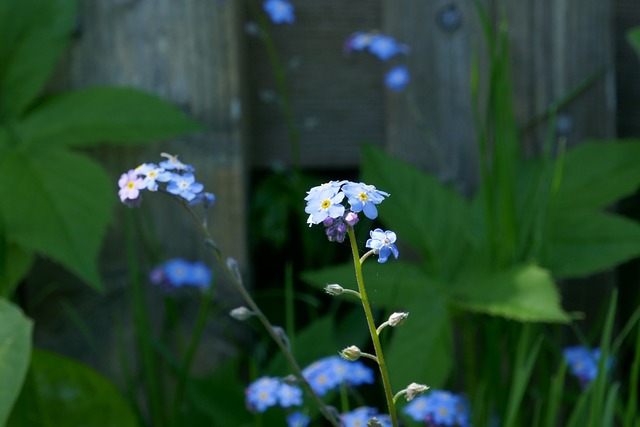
[152,175]
[130,185]
[385,47]
[184,186]
[439,408]
[279,11]
[364,197]
[323,204]
[583,363]
[270,391]
[397,78]
[384,243]
[172,163]
[297,419]
[328,373]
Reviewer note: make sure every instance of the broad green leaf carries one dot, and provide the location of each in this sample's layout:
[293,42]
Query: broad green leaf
[15,263]
[524,293]
[33,35]
[585,242]
[424,213]
[62,392]
[421,350]
[597,174]
[56,203]
[15,350]
[103,114]
[633,36]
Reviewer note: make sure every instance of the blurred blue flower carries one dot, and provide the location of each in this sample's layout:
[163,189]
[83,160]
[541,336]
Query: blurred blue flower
[177,272]
[360,416]
[328,373]
[397,78]
[279,11]
[385,47]
[130,185]
[297,419]
[357,41]
[172,163]
[184,186]
[152,174]
[439,408]
[384,243]
[583,363]
[364,197]
[205,199]
[270,391]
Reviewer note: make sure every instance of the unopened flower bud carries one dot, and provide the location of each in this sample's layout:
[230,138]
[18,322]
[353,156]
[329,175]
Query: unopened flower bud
[351,353]
[374,422]
[241,313]
[291,380]
[414,390]
[334,289]
[351,218]
[397,319]
[328,221]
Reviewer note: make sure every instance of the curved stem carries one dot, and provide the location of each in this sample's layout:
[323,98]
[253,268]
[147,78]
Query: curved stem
[253,306]
[372,328]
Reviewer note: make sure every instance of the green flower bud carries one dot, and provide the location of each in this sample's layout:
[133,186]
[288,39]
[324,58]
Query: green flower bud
[397,319]
[351,353]
[334,289]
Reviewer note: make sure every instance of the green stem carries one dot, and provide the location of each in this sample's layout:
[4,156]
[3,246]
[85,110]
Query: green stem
[253,306]
[143,331]
[203,311]
[372,328]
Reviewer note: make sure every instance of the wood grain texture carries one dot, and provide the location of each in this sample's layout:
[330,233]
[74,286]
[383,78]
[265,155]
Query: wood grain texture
[627,16]
[555,45]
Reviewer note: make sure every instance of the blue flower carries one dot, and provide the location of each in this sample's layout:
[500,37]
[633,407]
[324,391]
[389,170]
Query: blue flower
[177,272]
[269,391]
[328,373]
[384,243]
[358,417]
[331,185]
[205,199]
[583,363]
[297,419]
[397,78]
[152,174]
[323,204]
[385,47]
[262,393]
[279,11]
[439,408]
[357,41]
[363,197]
[184,186]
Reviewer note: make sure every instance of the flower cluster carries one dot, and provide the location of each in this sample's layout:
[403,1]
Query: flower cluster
[583,363]
[177,179]
[279,11]
[325,204]
[362,416]
[329,373]
[384,47]
[439,408]
[266,392]
[177,272]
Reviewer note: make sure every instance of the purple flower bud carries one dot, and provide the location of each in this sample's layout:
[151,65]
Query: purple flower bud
[328,221]
[351,218]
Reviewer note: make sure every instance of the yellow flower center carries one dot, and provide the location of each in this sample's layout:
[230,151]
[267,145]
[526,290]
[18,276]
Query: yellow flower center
[363,197]
[326,204]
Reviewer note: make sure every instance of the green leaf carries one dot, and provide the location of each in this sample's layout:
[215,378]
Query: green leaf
[62,392]
[424,213]
[103,114]
[633,36]
[57,204]
[422,348]
[33,35]
[524,293]
[585,242]
[597,174]
[15,263]
[15,349]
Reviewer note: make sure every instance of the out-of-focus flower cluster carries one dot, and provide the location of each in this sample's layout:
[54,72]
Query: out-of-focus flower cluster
[439,408]
[362,416]
[170,176]
[385,48]
[177,273]
[323,375]
[583,363]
